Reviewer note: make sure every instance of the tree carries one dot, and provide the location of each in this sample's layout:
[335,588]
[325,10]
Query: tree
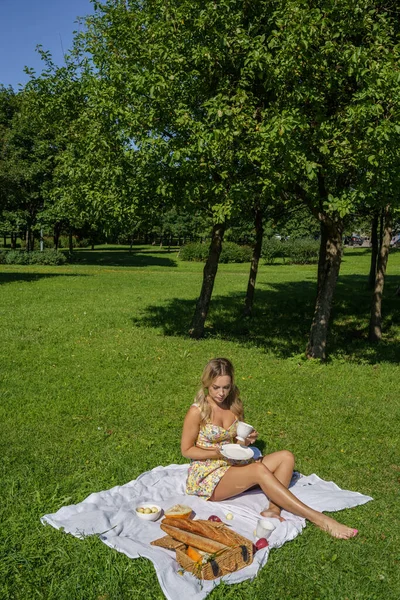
[93,186]
[375,324]
[27,163]
[184,82]
[336,77]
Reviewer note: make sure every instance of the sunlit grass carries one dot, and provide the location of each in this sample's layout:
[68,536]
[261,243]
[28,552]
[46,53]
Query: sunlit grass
[98,372]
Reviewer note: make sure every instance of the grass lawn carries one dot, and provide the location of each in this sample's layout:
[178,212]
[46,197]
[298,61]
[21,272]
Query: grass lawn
[96,376]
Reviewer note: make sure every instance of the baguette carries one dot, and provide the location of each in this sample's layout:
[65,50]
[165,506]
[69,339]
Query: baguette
[193,539]
[213,531]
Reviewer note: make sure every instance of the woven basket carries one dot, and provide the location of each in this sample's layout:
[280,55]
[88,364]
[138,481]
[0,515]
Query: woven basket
[229,560]
[167,542]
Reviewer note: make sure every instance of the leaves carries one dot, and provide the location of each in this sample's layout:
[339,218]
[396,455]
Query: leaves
[216,110]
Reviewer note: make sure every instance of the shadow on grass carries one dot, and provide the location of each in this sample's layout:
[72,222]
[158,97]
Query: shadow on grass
[282,318]
[12,277]
[115,256]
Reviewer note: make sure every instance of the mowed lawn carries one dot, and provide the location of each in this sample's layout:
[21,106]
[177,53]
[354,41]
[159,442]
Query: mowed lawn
[97,373]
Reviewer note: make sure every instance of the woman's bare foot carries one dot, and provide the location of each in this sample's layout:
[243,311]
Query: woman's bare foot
[270,513]
[335,529]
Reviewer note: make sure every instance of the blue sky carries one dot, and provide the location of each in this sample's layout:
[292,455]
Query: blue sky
[26,23]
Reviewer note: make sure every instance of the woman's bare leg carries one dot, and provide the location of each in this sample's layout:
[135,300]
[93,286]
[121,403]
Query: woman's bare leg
[238,479]
[281,464]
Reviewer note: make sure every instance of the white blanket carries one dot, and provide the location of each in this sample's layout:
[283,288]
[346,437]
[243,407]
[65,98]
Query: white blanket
[111,515]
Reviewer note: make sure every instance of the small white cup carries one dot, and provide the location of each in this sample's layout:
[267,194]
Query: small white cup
[264,528]
[243,430]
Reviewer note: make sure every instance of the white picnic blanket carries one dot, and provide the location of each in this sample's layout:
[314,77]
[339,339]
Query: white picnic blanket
[111,515]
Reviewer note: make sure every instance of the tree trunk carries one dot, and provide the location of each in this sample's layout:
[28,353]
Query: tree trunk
[374,251]
[210,270]
[5,241]
[28,240]
[375,323]
[248,305]
[70,242]
[330,257]
[381,227]
[13,241]
[56,235]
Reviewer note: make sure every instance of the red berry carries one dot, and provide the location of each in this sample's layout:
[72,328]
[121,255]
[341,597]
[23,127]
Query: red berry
[214,518]
[261,543]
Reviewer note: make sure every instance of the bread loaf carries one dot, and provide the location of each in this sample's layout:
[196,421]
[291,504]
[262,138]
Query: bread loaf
[193,539]
[214,531]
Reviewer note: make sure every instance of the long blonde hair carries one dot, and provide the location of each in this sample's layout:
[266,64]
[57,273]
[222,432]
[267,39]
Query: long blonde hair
[218,367]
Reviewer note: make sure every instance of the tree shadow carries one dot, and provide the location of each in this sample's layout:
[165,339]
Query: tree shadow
[282,318]
[12,277]
[123,257]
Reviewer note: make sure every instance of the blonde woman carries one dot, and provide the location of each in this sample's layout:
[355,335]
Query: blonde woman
[211,421]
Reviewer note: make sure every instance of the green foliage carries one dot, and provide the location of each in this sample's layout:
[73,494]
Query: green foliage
[272,249]
[297,251]
[194,251]
[231,252]
[47,257]
[301,251]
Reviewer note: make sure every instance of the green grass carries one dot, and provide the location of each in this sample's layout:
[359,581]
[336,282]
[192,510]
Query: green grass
[92,352]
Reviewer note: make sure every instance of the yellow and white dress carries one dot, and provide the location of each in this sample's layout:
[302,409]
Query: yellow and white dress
[204,475]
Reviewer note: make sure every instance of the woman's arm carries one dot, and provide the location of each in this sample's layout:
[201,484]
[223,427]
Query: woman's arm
[190,431]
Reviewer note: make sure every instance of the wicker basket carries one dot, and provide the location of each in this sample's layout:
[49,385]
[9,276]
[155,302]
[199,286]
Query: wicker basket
[235,557]
[226,562]
[239,555]
[167,542]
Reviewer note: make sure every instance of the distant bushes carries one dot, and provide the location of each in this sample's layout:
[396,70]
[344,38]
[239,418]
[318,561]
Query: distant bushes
[18,257]
[231,252]
[195,251]
[300,251]
[272,249]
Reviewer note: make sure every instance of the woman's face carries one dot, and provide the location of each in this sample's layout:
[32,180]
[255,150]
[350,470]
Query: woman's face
[219,388]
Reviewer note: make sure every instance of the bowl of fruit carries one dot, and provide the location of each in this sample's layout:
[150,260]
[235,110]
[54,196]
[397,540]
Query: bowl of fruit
[148,511]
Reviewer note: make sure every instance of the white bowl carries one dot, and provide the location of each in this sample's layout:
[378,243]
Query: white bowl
[153,516]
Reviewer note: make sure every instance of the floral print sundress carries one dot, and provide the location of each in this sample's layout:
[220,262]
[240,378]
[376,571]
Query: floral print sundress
[204,475]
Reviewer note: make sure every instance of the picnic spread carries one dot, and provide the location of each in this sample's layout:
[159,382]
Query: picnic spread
[190,553]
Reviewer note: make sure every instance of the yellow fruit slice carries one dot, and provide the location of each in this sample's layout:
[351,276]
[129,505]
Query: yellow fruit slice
[179,511]
[194,554]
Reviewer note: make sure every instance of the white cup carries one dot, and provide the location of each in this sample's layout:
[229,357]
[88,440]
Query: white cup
[264,528]
[243,430]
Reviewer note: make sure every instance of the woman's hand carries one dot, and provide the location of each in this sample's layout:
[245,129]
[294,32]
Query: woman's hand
[218,452]
[251,438]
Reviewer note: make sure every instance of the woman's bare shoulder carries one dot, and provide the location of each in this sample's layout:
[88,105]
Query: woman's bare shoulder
[194,414]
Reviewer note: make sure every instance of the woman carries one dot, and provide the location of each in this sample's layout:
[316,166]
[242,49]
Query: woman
[212,421]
